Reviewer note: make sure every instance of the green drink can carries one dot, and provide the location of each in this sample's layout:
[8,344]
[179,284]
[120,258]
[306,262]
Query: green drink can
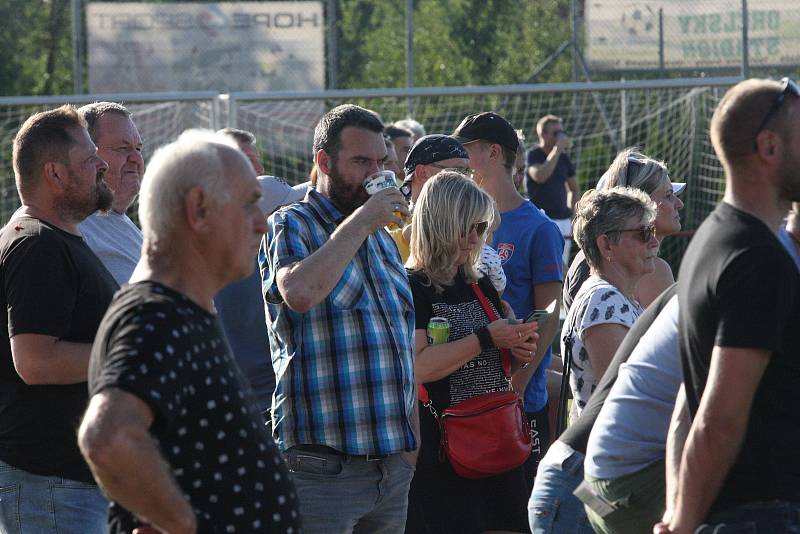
[438,330]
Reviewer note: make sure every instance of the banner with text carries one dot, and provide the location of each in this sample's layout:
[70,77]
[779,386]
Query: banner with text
[627,34]
[225,47]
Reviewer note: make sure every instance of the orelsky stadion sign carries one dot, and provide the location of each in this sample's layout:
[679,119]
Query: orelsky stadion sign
[227,46]
[624,34]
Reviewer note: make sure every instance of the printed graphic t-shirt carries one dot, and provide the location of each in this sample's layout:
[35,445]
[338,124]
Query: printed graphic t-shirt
[530,246]
[483,374]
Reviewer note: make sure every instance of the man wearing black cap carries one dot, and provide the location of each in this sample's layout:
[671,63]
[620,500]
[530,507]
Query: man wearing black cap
[429,155]
[530,247]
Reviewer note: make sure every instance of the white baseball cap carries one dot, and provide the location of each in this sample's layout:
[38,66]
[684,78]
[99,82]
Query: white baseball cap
[677,187]
[275,192]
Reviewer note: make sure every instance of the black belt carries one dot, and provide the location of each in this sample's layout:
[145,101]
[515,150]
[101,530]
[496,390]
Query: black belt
[324,449]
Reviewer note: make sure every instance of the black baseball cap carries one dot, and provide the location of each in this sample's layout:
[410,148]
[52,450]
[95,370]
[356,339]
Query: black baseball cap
[487,126]
[432,148]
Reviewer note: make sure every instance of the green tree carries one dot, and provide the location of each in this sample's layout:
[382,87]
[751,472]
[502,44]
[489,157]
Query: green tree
[456,42]
[37,42]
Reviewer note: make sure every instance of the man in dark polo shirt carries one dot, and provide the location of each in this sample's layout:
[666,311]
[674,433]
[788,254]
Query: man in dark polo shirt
[550,182]
[54,291]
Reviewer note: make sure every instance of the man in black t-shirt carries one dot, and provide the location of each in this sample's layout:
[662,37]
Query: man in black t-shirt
[55,291]
[172,432]
[550,179]
[739,326]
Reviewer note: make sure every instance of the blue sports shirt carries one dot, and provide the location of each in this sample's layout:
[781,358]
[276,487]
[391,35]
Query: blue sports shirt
[530,247]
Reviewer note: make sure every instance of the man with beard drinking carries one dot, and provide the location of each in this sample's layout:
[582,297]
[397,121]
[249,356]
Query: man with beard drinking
[54,291]
[341,325]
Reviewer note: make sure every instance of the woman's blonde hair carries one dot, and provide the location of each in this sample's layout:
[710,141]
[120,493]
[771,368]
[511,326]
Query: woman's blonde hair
[631,168]
[448,205]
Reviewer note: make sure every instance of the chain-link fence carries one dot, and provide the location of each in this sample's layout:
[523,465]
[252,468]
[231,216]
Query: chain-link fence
[667,119]
[159,117]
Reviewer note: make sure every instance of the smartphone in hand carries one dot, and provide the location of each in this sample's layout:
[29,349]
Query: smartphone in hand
[539,316]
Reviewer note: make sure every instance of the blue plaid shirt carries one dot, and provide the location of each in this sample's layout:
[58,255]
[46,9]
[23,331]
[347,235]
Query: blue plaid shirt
[344,369]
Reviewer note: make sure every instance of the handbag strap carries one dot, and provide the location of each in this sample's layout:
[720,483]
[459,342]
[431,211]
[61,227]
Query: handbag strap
[564,390]
[561,413]
[505,354]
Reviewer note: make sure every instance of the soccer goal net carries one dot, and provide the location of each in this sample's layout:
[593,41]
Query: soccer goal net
[665,119]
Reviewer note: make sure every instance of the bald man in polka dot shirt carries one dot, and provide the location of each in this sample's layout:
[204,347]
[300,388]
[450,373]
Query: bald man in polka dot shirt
[172,432]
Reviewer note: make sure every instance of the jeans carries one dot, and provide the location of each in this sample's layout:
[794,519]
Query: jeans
[552,507]
[755,518]
[341,494]
[44,505]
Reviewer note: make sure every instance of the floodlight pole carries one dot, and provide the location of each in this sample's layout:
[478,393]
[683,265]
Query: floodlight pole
[410,52]
[77,59]
[573,8]
[745,45]
[661,40]
[333,51]
[599,103]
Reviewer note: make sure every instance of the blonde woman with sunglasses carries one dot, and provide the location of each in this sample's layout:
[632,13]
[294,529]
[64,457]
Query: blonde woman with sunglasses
[448,228]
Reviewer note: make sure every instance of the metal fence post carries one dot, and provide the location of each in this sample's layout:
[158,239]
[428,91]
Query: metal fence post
[77,57]
[232,119]
[745,44]
[214,119]
[410,52]
[623,116]
[661,40]
[333,51]
[573,9]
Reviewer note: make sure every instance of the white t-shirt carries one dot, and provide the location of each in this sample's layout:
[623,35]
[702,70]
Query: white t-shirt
[630,432]
[490,265]
[115,240]
[596,303]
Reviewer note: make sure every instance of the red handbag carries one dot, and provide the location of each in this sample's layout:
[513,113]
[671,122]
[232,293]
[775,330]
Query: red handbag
[488,434]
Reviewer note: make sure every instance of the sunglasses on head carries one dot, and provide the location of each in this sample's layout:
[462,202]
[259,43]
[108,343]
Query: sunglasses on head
[645,233]
[789,86]
[479,228]
[466,171]
[630,174]
[405,188]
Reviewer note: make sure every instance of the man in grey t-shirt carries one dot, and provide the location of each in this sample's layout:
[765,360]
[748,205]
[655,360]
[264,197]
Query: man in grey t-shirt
[115,239]
[625,452]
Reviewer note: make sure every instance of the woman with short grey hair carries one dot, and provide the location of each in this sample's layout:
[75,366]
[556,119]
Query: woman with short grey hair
[615,230]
